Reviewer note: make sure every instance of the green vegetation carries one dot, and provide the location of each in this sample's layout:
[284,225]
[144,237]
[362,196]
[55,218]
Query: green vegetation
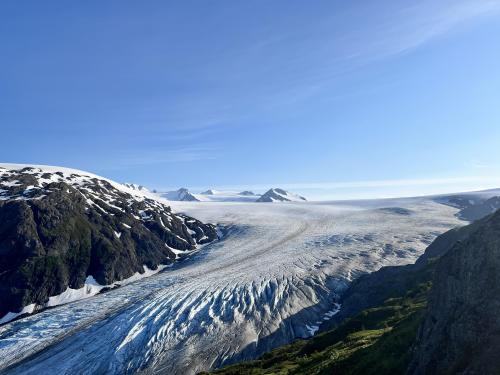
[376,341]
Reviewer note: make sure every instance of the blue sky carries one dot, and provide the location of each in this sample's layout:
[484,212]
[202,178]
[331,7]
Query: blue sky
[333,99]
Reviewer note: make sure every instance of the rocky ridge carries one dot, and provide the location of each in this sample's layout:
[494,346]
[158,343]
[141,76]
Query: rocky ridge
[62,230]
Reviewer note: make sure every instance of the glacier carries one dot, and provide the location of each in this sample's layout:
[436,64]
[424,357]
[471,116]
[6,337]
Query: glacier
[273,277]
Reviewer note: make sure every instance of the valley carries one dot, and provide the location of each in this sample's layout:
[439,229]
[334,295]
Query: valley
[274,276]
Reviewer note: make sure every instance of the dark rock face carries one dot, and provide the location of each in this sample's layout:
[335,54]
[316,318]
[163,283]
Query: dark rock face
[473,206]
[475,212]
[461,333]
[373,289]
[136,187]
[58,228]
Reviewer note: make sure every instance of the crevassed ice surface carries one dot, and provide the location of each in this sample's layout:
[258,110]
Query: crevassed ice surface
[273,278]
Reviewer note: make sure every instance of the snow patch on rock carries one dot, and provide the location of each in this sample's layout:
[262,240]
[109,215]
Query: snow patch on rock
[280,195]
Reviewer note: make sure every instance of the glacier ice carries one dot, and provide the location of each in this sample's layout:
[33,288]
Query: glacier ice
[271,279]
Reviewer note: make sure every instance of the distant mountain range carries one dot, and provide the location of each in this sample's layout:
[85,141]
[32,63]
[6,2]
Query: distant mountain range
[272,195]
[67,234]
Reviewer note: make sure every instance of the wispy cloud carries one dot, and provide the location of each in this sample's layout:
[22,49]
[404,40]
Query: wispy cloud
[283,66]
[380,31]
[164,156]
[417,24]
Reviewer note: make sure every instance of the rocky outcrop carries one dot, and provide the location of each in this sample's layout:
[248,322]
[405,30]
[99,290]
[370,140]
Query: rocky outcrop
[57,228]
[461,331]
[473,206]
[480,210]
[136,187]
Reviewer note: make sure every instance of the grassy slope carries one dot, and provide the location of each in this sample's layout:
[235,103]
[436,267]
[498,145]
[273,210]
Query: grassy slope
[376,341]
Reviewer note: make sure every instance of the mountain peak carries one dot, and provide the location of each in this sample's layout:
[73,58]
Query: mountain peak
[280,195]
[209,192]
[182,194]
[247,193]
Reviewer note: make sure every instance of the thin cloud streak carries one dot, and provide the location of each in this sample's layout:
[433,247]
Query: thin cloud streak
[158,157]
[332,55]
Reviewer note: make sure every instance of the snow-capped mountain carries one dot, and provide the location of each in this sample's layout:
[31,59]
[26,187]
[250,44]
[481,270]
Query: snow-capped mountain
[280,195]
[210,195]
[66,234]
[182,195]
[208,192]
[247,193]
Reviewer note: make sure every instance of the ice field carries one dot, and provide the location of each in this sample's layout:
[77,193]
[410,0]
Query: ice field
[273,277]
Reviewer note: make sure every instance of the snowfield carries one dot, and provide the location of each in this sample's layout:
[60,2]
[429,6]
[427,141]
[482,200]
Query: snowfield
[273,277]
